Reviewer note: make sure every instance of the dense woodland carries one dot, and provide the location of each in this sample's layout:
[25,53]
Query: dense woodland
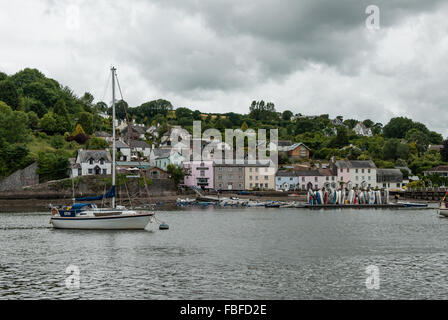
[42,120]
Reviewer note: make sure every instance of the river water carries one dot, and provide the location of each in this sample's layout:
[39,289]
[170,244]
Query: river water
[231,254]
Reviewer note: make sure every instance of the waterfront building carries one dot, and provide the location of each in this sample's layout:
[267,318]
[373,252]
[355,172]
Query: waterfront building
[260,176]
[199,174]
[91,162]
[128,152]
[390,179]
[229,176]
[357,172]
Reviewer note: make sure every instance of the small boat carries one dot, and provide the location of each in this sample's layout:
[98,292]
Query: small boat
[88,217]
[413,204]
[83,215]
[272,205]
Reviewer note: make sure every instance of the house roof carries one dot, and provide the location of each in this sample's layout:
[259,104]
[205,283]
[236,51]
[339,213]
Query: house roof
[102,134]
[139,144]
[362,164]
[294,146]
[435,147]
[389,175]
[119,144]
[96,155]
[438,169]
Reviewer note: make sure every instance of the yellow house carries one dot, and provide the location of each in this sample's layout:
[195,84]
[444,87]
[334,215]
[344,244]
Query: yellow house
[260,176]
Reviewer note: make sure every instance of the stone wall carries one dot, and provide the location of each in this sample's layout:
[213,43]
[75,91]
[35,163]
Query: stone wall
[20,179]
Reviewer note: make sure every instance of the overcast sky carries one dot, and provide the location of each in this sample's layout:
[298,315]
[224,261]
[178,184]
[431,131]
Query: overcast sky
[310,56]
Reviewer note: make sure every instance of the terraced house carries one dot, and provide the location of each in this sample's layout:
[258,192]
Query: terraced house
[260,176]
[229,176]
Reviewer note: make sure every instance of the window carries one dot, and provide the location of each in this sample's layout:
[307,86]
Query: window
[356,170]
[290,179]
[240,169]
[369,177]
[79,172]
[342,178]
[315,179]
[266,177]
[219,177]
[241,177]
[327,178]
[256,169]
[104,171]
[266,185]
[251,185]
[90,171]
[202,173]
[368,170]
[101,161]
[398,185]
[256,177]
[91,161]
[357,178]
[303,179]
[250,169]
[240,186]
[230,169]
[250,178]
[220,185]
[220,169]
[362,170]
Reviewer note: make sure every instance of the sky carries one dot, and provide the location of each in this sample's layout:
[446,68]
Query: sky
[308,56]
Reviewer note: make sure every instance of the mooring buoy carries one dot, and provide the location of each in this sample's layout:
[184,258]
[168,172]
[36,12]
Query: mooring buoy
[164,226]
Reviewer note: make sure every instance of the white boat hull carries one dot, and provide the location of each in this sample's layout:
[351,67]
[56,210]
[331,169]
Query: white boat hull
[119,222]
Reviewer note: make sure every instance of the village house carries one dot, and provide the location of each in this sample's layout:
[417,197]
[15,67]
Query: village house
[260,176]
[136,132]
[390,179]
[316,178]
[296,151]
[165,157]
[91,162]
[439,170]
[229,176]
[361,130]
[199,174]
[128,152]
[357,172]
[104,135]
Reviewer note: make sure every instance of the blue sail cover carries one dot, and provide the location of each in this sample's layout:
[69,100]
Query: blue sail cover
[109,194]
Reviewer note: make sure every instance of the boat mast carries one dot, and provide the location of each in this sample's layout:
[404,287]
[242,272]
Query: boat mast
[113,133]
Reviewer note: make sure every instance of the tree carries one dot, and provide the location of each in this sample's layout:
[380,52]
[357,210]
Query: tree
[33,120]
[351,123]
[3,76]
[341,138]
[287,115]
[48,123]
[444,151]
[368,123]
[183,113]
[259,110]
[86,121]
[9,94]
[176,173]
[13,124]
[397,127]
[52,166]
[35,106]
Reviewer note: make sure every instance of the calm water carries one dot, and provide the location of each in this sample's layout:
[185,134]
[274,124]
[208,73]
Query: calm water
[231,254]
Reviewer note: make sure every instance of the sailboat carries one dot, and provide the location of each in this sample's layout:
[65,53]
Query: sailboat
[443,207]
[88,216]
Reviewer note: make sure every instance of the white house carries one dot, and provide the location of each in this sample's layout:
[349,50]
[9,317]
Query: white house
[91,162]
[361,130]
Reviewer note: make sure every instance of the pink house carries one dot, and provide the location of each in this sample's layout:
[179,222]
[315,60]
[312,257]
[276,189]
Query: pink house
[199,174]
